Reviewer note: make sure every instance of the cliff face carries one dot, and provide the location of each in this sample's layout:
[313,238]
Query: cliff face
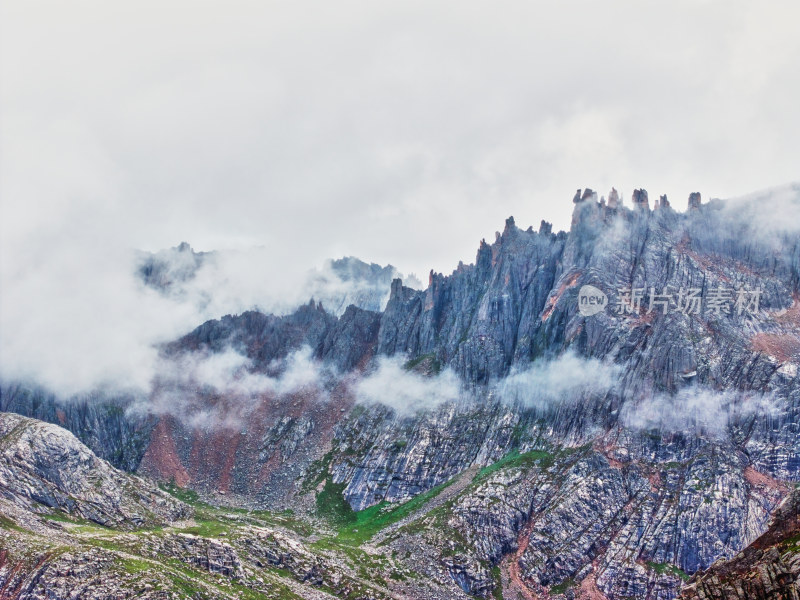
[589,453]
[768,568]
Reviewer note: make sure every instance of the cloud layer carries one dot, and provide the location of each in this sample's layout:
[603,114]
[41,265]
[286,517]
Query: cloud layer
[698,410]
[221,389]
[360,127]
[407,392]
[567,379]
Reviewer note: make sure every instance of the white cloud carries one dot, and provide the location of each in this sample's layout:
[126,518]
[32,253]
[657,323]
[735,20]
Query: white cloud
[75,317]
[219,390]
[265,122]
[568,378]
[766,213]
[697,410]
[233,281]
[407,392]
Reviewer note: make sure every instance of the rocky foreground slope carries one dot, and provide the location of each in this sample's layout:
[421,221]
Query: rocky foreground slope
[44,468]
[52,551]
[768,568]
[486,434]
[72,526]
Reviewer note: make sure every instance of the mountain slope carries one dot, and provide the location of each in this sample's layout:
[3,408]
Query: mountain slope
[71,526]
[767,569]
[44,467]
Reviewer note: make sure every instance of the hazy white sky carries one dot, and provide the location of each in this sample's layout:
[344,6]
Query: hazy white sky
[399,132]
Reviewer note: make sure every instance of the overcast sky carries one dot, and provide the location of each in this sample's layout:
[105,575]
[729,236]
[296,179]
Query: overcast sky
[400,132]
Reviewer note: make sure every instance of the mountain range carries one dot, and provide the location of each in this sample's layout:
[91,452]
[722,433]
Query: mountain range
[609,412]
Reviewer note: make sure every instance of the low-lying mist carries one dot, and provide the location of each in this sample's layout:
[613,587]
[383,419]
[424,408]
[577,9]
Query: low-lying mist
[698,410]
[219,390]
[80,320]
[405,391]
[567,379]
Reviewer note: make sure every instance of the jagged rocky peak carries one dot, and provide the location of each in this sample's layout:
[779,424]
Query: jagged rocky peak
[588,194]
[640,200]
[163,269]
[316,305]
[613,198]
[400,292]
[350,268]
[349,280]
[397,286]
[545,228]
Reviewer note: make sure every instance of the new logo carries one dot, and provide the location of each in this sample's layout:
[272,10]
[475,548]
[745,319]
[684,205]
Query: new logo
[591,300]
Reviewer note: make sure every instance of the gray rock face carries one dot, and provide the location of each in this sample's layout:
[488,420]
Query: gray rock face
[618,522]
[70,575]
[480,317]
[519,301]
[271,548]
[43,466]
[206,554]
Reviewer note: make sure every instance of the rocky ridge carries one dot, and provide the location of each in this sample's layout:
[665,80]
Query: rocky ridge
[42,465]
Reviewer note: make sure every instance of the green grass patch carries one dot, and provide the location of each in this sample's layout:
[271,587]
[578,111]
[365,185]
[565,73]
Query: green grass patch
[209,527]
[213,521]
[497,591]
[671,465]
[332,506]
[285,519]
[436,366]
[668,569]
[107,543]
[6,523]
[792,544]
[62,517]
[186,495]
[514,459]
[316,473]
[371,520]
[136,565]
[517,435]
[563,586]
